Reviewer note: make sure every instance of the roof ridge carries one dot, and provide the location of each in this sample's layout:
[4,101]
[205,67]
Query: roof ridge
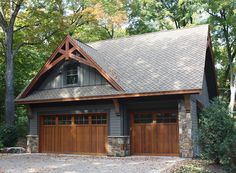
[85,44]
[138,35]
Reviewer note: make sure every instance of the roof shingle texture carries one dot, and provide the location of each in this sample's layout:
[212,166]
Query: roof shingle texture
[154,62]
[159,61]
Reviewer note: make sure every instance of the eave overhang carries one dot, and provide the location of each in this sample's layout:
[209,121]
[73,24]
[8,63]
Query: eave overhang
[125,95]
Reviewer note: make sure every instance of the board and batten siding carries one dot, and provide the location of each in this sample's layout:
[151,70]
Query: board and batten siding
[114,126]
[203,98]
[87,76]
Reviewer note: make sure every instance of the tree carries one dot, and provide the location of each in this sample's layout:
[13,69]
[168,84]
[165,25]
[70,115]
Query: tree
[7,22]
[222,18]
[141,15]
[36,30]
[108,15]
[154,15]
[181,12]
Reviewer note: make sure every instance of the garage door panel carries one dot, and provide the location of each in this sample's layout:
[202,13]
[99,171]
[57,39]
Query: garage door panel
[83,139]
[136,138]
[48,138]
[98,137]
[66,141]
[148,131]
[74,133]
[154,133]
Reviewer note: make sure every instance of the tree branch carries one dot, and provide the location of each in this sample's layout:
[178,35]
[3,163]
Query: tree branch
[3,22]
[21,27]
[32,43]
[212,14]
[109,32]
[15,12]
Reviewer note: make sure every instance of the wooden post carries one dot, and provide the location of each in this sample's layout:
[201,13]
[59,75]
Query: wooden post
[187,104]
[117,106]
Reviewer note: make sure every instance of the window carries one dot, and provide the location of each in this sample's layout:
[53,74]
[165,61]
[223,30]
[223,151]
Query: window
[166,118]
[155,117]
[99,119]
[72,75]
[143,118]
[81,119]
[49,120]
[65,119]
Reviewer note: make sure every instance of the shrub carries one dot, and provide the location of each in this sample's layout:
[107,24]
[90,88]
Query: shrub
[216,128]
[21,121]
[8,135]
[228,149]
[1,145]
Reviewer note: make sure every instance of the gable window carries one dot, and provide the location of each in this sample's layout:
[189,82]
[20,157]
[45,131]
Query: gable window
[72,75]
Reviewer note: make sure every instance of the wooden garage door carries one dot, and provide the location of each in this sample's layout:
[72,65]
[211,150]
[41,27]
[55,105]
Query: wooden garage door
[154,133]
[86,133]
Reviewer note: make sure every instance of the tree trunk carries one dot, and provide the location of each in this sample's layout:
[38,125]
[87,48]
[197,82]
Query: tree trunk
[9,97]
[232,95]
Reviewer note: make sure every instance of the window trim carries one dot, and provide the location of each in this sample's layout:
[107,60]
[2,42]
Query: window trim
[171,111]
[80,74]
[75,74]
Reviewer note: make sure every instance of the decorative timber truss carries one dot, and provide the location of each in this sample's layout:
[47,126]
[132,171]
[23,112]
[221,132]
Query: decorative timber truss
[69,49]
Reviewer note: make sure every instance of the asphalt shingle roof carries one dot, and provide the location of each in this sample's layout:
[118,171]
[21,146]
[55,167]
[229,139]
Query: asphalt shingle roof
[158,61]
[154,62]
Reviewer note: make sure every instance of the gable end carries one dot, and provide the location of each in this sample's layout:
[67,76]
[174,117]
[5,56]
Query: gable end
[69,49]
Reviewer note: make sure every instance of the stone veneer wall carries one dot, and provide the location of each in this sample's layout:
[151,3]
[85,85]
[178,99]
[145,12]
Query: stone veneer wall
[32,144]
[185,132]
[118,146]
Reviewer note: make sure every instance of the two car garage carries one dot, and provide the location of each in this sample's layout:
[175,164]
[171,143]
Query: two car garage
[151,133]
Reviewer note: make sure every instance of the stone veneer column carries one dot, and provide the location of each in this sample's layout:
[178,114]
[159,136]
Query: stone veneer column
[118,146]
[185,131]
[32,143]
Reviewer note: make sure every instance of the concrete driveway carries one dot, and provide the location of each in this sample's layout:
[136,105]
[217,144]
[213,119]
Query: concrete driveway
[45,163]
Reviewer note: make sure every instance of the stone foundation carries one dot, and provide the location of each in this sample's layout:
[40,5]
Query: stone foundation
[185,132]
[118,146]
[32,143]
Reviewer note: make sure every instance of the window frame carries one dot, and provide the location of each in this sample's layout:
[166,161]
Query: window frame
[67,119]
[76,74]
[154,117]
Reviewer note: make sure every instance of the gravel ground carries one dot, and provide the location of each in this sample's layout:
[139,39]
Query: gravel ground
[45,163]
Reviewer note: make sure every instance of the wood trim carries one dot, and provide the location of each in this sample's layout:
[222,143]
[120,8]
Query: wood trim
[117,106]
[187,103]
[131,115]
[199,105]
[67,54]
[192,91]
[101,71]
[35,79]
[29,111]
[81,60]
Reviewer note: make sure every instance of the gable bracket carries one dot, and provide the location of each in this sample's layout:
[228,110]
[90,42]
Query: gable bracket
[97,67]
[117,106]
[66,49]
[187,103]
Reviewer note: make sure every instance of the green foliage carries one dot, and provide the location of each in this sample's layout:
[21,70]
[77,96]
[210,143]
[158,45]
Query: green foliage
[216,132]
[228,148]
[8,135]
[222,21]
[142,16]
[41,25]
[21,121]
[1,144]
